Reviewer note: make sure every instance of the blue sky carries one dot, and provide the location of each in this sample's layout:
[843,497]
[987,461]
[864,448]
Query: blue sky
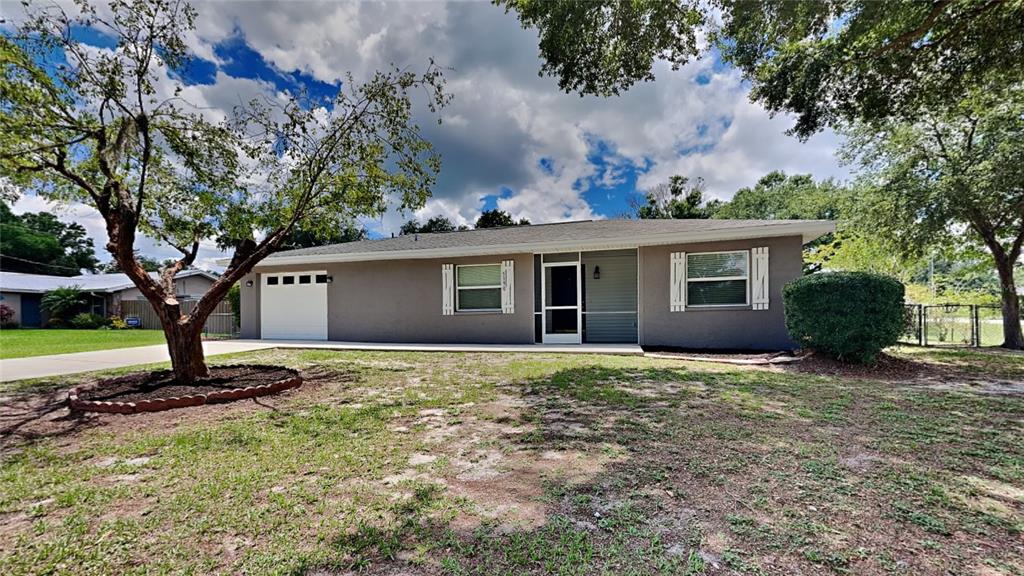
[510,139]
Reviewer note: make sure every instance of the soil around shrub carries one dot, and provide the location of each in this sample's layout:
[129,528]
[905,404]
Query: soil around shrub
[156,391]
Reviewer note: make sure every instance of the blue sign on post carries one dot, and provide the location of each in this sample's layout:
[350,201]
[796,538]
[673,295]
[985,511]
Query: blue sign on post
[133,322]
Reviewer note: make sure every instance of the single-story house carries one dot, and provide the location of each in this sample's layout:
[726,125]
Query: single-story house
[679,283]
[24,292]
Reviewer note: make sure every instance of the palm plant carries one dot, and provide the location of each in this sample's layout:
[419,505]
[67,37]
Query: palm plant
[60,302]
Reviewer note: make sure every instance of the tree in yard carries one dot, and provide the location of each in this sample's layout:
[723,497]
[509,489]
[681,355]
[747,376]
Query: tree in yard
[111,129]
[676,199]
[39,243]
[954,177]
[148,264]
[496,218]
[435,224]
[822,61]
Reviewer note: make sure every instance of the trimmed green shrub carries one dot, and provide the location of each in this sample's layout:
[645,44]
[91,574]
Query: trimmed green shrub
[86,320]
[851,316]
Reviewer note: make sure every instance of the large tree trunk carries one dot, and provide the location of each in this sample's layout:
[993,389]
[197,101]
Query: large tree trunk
[1012,335]
[185,344]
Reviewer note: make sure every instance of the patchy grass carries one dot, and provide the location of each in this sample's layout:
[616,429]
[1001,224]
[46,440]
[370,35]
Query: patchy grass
[434,463]
[25,342]
[985,362]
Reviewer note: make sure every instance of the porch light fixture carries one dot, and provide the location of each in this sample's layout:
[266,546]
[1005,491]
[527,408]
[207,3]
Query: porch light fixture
[330,279]
[597,272]
[248,283]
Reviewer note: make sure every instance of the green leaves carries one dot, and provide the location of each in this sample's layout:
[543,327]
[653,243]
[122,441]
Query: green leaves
[603,47]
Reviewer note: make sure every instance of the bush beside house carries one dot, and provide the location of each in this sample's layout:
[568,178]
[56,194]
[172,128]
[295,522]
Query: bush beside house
[7,317]
[851,316]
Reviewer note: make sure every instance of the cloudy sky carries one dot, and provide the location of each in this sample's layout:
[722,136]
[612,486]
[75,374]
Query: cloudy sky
[510,139]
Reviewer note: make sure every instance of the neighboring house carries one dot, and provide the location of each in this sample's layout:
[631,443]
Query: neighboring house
[23,292]
[681,283]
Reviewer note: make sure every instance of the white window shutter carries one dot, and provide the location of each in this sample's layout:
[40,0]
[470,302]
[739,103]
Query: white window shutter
[447,289]
[508,287]
[759,278]
[677,282]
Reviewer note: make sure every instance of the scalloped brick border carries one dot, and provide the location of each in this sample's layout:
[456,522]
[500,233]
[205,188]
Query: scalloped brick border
[161,404]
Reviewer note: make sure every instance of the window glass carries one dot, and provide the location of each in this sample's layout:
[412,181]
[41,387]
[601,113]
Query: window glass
[489,275]
[717,292]
[271,280]
[480,299]
[305,279]
[717,279]
[288,279]
[478,287]
[321,278]
[716,265]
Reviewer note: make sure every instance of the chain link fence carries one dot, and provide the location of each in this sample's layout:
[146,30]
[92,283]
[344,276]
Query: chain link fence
[953,325]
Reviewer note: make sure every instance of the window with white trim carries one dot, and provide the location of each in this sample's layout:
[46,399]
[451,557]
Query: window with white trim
[718,278]
[478,287]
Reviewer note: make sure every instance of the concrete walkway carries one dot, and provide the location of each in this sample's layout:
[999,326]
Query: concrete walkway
[64,364]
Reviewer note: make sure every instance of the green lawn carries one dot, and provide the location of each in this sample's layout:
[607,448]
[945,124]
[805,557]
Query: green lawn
[24,342]
[452,464]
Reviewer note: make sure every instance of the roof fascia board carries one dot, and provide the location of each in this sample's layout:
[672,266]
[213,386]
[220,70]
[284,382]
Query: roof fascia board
[807,230]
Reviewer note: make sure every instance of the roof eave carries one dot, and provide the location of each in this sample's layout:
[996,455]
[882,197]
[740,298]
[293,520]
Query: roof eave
[808,230]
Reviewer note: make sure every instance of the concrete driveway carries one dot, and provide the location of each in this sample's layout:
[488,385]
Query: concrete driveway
[63,364]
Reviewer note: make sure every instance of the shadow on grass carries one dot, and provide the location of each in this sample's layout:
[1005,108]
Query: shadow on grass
[30,417]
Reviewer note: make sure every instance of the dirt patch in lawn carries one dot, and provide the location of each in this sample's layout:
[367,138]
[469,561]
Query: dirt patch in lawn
[912,373]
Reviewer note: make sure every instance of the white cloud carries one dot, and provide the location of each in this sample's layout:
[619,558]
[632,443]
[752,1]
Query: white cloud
[505,118]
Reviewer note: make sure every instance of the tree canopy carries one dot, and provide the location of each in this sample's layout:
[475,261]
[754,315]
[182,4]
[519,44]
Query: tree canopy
[302,238]
[679,198]
[434,224]
[778,196]
[496,218]
[953,177]
[39,243]
[825,62]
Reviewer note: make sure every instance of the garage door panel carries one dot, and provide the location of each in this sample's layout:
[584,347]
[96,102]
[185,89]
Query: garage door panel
[293,305]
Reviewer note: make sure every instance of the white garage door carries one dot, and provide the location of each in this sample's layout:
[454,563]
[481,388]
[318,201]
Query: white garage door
[293,305]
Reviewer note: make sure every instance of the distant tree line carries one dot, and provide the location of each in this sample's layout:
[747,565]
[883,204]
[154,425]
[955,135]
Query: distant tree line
[488,219]
[39,243]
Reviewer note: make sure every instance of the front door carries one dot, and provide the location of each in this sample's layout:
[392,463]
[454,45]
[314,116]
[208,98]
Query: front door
[561,314]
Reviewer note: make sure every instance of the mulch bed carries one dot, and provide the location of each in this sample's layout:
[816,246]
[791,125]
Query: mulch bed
[885,367]
[156,391]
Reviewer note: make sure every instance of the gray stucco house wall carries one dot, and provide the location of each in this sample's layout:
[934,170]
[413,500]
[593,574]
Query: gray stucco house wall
[400,301]
[385,291]
[738,327]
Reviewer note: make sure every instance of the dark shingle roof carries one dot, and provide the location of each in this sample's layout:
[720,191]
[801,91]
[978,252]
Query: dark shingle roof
[582,232]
